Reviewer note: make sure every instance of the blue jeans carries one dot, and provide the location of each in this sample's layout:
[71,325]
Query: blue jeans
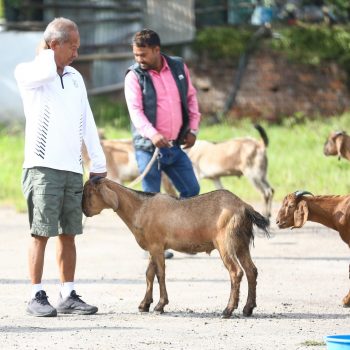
[176,164]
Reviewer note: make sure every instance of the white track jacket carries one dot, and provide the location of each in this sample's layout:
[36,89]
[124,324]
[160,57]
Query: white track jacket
[58,117]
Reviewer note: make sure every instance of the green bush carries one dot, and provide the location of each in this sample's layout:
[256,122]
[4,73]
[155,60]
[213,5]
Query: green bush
[314,44]
[307,44]
[2,9]
[222,42]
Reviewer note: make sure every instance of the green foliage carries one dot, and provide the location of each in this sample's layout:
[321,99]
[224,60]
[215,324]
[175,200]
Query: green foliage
[314,44]
[109,112]
[11,159]
[340,7]
[222,42]
[308,44]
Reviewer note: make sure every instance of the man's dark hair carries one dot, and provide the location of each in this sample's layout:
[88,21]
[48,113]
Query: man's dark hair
[146,37]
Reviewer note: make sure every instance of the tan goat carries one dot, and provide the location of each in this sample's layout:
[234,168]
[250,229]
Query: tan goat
[330,211]
[216,220]
[236,157]
[337,144]
[122,165]
[120,158]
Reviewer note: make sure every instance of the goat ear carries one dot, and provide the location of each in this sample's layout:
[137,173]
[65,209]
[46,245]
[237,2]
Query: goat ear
[109,196]
[301,213]
[339,141]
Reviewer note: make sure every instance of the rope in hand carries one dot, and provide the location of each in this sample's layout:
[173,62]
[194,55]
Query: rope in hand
[146,170]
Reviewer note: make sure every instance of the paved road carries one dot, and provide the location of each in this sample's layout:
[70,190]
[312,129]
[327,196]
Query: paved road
[303,275]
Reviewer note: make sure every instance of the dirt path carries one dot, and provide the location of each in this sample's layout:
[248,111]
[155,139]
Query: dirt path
[303,276]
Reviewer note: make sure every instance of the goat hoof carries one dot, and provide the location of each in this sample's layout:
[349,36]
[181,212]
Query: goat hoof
[226,313]
[346,301]
[159,309]
[248,311]
[144,308]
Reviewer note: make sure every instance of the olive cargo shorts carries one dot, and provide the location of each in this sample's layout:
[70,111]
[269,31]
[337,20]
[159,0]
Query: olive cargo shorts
[54,201]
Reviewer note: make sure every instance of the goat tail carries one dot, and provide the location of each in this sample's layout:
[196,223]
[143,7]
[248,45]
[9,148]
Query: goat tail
[262,133]
[258,220]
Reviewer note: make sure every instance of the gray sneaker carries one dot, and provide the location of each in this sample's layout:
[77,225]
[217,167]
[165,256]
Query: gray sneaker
[74,305]
[168,254]
[39,306]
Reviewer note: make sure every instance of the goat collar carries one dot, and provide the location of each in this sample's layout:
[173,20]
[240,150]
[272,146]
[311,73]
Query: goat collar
[96,179]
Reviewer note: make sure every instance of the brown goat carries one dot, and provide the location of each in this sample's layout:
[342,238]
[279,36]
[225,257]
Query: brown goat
[330,211]
[337,144]
[236,157]
[216,220]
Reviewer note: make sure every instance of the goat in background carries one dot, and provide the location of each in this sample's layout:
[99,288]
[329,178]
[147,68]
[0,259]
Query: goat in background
[121,162]
[236,157]
[337,144]
[215,220]
[330,211]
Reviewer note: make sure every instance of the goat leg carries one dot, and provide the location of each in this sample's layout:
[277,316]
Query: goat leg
[148,299]
[160,272]
[346,300]
[236,275]
[251,274]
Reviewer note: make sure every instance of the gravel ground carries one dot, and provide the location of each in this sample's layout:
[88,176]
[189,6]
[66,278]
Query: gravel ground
[303,276]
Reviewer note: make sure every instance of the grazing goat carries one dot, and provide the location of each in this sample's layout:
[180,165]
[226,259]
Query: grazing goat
[120,159]
[337,144]
[236,157]
[216,220]
[121,163]
[330,211]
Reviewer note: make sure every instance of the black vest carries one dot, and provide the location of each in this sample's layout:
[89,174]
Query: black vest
[149,100]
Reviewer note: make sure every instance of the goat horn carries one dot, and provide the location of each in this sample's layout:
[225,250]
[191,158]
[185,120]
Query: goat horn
[298,194]
[338,133]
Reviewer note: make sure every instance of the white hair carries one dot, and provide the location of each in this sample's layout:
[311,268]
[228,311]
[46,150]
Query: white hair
[59,29]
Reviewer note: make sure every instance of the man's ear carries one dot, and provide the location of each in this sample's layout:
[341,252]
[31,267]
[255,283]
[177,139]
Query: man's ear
[53,44]
[301,214]
[109,196]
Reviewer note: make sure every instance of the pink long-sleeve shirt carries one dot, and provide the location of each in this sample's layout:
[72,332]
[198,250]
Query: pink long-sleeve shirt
[169,113]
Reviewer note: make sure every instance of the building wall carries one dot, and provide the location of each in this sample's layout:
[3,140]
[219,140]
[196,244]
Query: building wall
[20,47]
[174,21]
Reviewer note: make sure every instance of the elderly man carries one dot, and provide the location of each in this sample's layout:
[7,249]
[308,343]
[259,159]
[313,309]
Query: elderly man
[58,120]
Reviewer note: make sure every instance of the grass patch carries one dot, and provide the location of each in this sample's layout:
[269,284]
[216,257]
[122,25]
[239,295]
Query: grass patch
[11,159]
[295,155]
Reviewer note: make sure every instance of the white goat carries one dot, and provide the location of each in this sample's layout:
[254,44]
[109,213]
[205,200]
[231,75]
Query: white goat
[330,211]
[236,157]
[216,220]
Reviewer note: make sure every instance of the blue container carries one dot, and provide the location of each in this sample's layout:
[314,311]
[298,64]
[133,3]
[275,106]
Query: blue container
[338,342]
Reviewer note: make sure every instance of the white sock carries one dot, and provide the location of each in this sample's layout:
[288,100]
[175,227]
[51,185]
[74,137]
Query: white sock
[35,289]
[66,289]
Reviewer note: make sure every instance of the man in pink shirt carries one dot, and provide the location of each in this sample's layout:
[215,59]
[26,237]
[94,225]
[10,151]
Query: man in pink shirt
[164,113]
